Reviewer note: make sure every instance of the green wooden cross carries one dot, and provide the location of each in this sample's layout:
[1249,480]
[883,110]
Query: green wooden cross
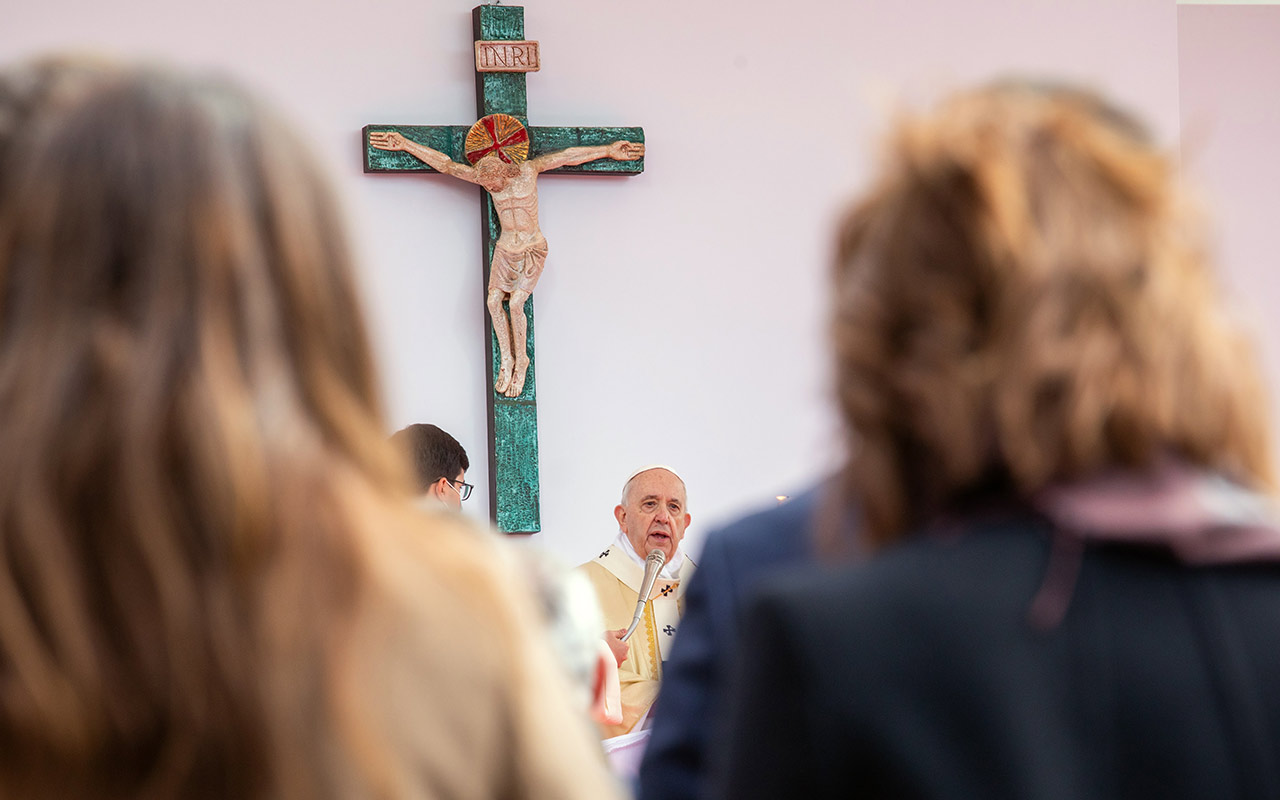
[513,421]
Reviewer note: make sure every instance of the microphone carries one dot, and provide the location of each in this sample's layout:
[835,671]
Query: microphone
[652,564]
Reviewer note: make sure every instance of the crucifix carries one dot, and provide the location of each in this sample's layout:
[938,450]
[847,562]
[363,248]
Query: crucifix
[504,155]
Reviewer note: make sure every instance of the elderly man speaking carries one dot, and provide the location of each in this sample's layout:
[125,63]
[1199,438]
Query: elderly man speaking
[653,515]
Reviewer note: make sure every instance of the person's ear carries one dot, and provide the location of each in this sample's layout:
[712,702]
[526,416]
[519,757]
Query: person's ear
[687,517]
[620,514]
[438,488]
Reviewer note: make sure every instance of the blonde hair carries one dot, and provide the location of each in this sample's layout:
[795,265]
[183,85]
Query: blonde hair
[188,414]
[1021,298]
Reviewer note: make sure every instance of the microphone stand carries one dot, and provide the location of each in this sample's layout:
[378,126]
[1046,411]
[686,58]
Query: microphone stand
[652,565]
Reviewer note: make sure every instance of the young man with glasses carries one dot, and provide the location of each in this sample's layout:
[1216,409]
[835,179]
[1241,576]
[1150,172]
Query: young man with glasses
[440,463]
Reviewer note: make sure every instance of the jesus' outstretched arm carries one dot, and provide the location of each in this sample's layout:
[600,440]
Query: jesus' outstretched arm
[570,156]
[391,140]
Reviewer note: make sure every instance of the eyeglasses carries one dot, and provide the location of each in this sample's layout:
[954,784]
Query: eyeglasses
[463,489]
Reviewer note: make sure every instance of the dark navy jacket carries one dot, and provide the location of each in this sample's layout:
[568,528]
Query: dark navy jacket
[733,560]
[918,675]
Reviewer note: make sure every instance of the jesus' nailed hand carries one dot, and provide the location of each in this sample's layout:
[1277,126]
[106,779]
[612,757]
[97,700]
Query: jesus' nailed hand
[521,250]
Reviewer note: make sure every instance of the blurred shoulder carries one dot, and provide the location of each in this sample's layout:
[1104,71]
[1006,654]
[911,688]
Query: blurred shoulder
[778,534]
[436,560]
[449,656]
[928,579]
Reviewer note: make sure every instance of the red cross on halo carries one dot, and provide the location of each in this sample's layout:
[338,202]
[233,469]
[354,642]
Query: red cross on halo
[520,136]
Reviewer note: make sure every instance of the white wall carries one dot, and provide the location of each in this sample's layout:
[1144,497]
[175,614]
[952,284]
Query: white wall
[1230,83]
[680,318]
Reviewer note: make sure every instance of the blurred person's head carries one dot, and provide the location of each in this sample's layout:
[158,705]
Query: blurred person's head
[1022,298]
[29,90]
[439,463]
[188,422]
[574,622]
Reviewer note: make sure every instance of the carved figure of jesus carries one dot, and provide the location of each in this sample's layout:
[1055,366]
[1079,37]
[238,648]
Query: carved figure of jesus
[500,146]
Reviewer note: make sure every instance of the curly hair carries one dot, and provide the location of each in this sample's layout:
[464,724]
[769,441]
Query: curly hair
[1023,297]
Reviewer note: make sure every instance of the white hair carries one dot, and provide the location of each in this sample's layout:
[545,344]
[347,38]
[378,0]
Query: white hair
[626,486]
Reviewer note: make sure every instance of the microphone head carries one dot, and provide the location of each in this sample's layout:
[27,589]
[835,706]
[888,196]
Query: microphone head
[658,556]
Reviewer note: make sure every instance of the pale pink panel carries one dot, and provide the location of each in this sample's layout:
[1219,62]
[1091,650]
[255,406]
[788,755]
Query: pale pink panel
[1229,59]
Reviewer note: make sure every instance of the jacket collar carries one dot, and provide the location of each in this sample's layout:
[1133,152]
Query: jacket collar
[1201,517]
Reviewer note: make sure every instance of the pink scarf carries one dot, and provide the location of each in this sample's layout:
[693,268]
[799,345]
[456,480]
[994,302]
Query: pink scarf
[1199,516]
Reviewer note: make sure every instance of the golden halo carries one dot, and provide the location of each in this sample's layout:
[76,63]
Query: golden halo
[497,134]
